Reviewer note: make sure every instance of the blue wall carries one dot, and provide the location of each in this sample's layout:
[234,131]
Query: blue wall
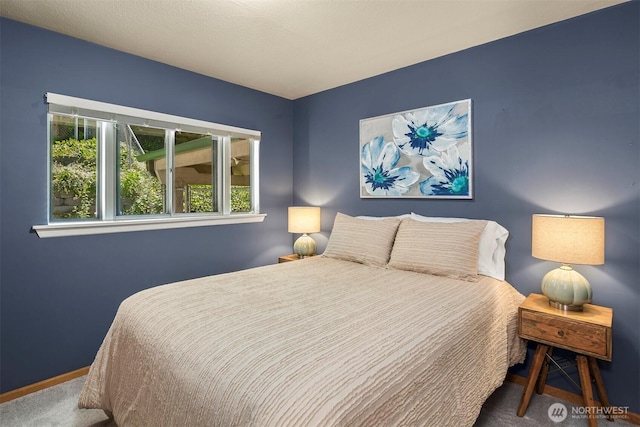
[555,130]
[59,295]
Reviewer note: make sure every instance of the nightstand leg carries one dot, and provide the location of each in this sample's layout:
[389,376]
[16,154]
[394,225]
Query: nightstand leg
[587,391]
[544,372]
[534,371]
[602,393]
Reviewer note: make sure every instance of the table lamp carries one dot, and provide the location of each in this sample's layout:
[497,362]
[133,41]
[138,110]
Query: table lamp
[304,219]
[569,240]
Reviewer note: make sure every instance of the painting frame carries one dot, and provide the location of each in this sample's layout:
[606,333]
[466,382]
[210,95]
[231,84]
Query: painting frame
[424,153]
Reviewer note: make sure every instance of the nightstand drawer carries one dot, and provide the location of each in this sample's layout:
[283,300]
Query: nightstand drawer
[585,338]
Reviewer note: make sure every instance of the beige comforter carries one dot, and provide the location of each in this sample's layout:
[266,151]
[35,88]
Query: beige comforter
[317,342]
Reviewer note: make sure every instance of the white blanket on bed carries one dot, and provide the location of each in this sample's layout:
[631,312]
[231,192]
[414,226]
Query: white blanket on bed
[317,342]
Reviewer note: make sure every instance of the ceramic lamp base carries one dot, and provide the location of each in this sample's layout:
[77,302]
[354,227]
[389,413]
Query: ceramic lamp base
[305,246]
[566,289]
[565,307]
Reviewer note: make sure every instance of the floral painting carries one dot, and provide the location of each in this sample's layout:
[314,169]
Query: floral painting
[418,153]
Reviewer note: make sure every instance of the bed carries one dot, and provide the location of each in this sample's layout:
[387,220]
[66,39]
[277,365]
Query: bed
[378,336]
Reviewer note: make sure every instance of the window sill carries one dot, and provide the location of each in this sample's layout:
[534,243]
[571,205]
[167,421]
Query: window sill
[125,226]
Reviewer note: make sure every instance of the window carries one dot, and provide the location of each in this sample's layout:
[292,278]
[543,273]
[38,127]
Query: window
[115,168]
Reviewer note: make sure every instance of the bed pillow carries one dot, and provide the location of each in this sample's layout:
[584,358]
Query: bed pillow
[362,240]
[491,249]
[403,216]
[440,248]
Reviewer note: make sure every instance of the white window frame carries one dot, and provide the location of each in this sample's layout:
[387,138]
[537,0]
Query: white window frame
[67,105]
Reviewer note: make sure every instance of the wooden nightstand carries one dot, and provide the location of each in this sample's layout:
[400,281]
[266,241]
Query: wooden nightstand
[287,258]
[586,333]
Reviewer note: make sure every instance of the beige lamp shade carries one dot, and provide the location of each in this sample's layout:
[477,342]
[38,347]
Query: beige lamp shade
[568,239]
[304,219]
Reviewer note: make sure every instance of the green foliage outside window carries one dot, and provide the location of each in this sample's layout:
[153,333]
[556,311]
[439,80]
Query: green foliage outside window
[74,180]
[201,198]
[240,199]
[140,192]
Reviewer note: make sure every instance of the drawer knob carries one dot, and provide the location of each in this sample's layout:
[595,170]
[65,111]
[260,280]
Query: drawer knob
[561,333]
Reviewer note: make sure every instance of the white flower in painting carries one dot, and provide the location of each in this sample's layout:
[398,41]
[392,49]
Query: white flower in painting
[430,131]
[378,162]
[449,174]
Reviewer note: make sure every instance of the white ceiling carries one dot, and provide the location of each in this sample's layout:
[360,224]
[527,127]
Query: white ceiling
[293,48]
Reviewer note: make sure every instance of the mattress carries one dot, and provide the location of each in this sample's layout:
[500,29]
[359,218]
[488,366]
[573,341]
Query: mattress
[316,342]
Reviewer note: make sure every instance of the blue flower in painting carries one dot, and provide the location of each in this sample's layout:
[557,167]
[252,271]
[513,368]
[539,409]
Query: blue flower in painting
[429,131]
[378,162]
[449,174]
